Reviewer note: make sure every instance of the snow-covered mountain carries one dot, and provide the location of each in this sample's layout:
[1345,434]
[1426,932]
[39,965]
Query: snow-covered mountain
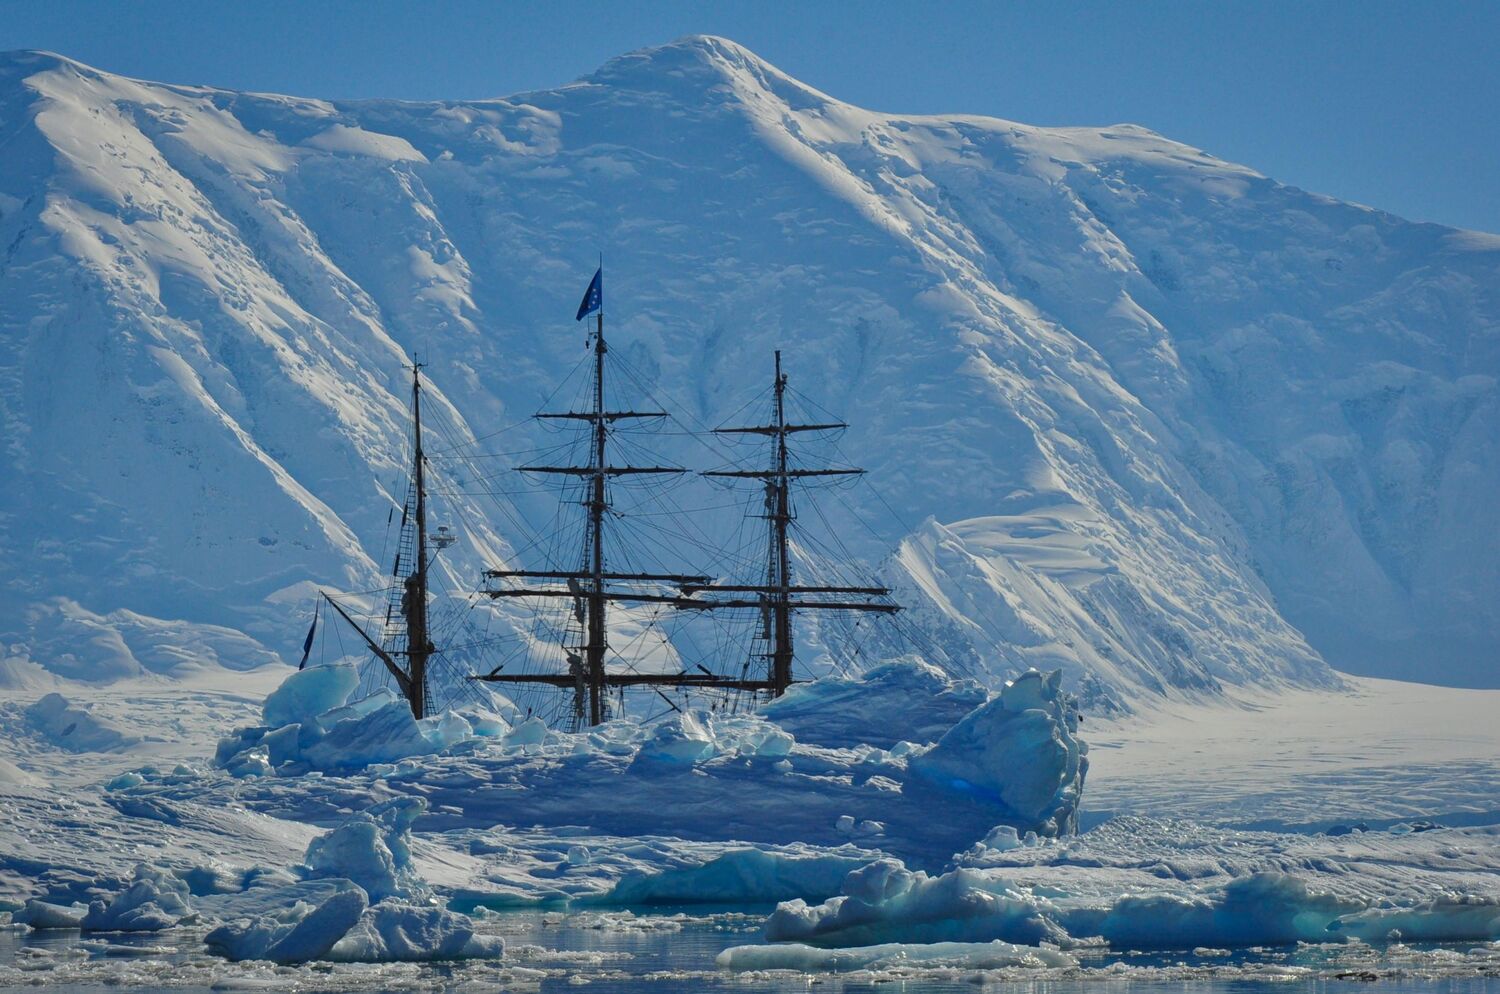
[1148,415]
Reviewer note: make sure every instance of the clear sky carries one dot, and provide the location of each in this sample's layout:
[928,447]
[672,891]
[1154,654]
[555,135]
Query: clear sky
[1396,105]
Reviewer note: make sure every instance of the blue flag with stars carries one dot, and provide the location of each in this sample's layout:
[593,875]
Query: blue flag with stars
[593,297]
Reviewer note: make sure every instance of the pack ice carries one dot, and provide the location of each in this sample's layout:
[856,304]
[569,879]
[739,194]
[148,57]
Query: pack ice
[1140,883]
[356,897]
[1015,758]
[958,851]
[740,810]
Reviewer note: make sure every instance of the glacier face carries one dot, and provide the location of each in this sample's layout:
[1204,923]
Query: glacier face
[1146,415]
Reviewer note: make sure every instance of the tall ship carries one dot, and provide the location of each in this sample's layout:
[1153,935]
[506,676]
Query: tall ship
[608,613]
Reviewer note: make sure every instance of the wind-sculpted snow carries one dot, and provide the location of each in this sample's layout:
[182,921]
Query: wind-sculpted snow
[74,728]
[1163,413]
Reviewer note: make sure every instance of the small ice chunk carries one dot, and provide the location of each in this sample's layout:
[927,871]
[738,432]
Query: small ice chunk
[485,724]
[446,730]
[125,781]
[283,745]
[681,739]
[1002,838]
[532,731]
[401,932]
[75,728]
[156,899]
[252,763]
[41,915]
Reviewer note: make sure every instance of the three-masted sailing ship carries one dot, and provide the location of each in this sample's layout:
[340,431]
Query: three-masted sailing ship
[593,676]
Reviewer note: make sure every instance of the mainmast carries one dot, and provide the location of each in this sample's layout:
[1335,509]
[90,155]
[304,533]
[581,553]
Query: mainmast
[594,587]
[775,596]
[597,643]
[780,573]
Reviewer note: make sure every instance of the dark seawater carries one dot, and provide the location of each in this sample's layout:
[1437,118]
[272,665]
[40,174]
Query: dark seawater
[671,951]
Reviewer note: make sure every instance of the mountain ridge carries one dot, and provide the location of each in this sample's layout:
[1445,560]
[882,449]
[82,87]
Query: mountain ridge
[1043,319]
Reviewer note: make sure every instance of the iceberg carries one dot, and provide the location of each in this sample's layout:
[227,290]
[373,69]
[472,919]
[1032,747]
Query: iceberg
[906,699]
[311,723]
[41,915]
[295,935]
[886,902]
[156,900]
[345,927]
[1144,884]
[748,876]
[396,932]
[366,910]
[308,693]
[386,735]
[372,849]
[1021,751]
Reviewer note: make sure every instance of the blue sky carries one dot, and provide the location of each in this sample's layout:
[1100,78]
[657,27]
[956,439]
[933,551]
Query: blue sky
[1396,105]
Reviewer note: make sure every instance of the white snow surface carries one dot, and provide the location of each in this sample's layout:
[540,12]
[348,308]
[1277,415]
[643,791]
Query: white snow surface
[1166,423]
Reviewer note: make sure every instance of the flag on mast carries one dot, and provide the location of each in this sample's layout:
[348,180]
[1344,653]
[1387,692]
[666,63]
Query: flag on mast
[593,297]
[307,643]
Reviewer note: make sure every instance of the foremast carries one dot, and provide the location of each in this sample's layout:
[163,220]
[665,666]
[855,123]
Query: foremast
[419,647]
[410,679]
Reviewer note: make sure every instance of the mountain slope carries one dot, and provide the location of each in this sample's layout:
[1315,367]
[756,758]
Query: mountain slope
[1158,414]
